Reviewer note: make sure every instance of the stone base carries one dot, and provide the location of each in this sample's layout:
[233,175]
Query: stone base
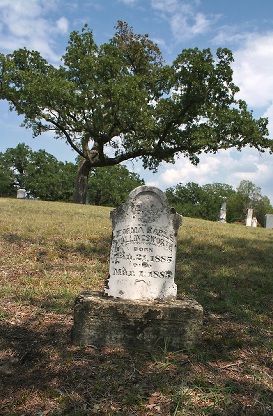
[104,321]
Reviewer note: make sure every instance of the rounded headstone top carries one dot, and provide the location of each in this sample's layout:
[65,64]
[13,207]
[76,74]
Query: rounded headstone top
[146,204]
[145,189]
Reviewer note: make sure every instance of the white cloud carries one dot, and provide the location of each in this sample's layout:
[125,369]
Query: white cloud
[253,68]
[18,7]
[187,26]
[29,26]
[62,25]
[227,166]
[230,34]
[128,2]
[168,6]
[184,21]
[184,171]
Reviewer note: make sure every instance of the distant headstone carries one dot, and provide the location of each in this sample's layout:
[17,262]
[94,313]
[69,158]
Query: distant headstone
[21,193]
[254,222]
[269,221]
[249,217]
[143,252]
[223,211]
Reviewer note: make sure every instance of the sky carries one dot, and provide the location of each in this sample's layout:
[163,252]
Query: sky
[244,26]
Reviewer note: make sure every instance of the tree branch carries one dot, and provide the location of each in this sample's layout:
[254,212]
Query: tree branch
[67,136]
[175,120]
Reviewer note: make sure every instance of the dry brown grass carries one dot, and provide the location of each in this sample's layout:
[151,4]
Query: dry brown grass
[49,252]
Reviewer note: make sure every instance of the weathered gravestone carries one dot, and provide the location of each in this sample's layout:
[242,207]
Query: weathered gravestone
[249,217]
[21,194]
[269,221]
[254,222]
[143,253]
[138,307]
[223,211]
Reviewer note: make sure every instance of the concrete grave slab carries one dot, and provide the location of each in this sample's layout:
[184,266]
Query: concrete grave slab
[111,322]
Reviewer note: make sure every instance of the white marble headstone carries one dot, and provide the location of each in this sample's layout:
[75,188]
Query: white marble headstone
[269,221]
[249,217]
[254,222]
[223,211]
[143,252]
[21,193]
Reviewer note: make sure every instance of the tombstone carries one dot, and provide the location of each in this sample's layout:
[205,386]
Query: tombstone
[269,221]
[143,253]
[254,222]
[21,193]
[249,217]
[223,211]
[139,305]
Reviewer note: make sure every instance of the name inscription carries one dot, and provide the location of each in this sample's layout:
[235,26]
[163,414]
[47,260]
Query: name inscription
[130,243]
[140,235]
[142,259]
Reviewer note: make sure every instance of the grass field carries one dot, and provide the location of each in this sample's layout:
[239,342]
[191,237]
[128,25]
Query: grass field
[49,252]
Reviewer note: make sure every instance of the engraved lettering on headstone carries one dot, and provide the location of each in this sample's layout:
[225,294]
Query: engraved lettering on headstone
[143,252]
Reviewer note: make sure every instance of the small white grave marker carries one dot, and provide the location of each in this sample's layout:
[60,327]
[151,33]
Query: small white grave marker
[223,211]
[21,193]
[269,221]
[143,252]
[254,222]
[249,217]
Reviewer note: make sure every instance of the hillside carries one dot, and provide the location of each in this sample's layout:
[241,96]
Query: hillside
[49,252]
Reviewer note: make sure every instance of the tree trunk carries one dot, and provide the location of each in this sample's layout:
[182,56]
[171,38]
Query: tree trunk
[81,186]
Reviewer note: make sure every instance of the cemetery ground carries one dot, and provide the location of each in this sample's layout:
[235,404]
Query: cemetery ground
[49,252]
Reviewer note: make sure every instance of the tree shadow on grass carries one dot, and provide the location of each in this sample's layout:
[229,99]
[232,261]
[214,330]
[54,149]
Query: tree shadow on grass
[44,374]
[232,278]
[14,238]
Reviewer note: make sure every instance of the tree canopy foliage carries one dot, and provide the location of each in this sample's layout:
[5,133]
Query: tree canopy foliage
[196,201]
[44,177]
[120,101]
[111,185]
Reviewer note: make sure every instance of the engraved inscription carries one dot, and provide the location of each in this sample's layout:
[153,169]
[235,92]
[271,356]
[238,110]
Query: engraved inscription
[143,252]
[148,209]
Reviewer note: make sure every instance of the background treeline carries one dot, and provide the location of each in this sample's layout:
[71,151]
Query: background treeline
[193,200]
[44,177]
[40,173]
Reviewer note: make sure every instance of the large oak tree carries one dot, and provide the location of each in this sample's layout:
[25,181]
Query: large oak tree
[120,101]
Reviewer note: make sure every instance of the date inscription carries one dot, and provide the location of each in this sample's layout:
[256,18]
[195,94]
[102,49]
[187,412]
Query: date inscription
[143,251]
